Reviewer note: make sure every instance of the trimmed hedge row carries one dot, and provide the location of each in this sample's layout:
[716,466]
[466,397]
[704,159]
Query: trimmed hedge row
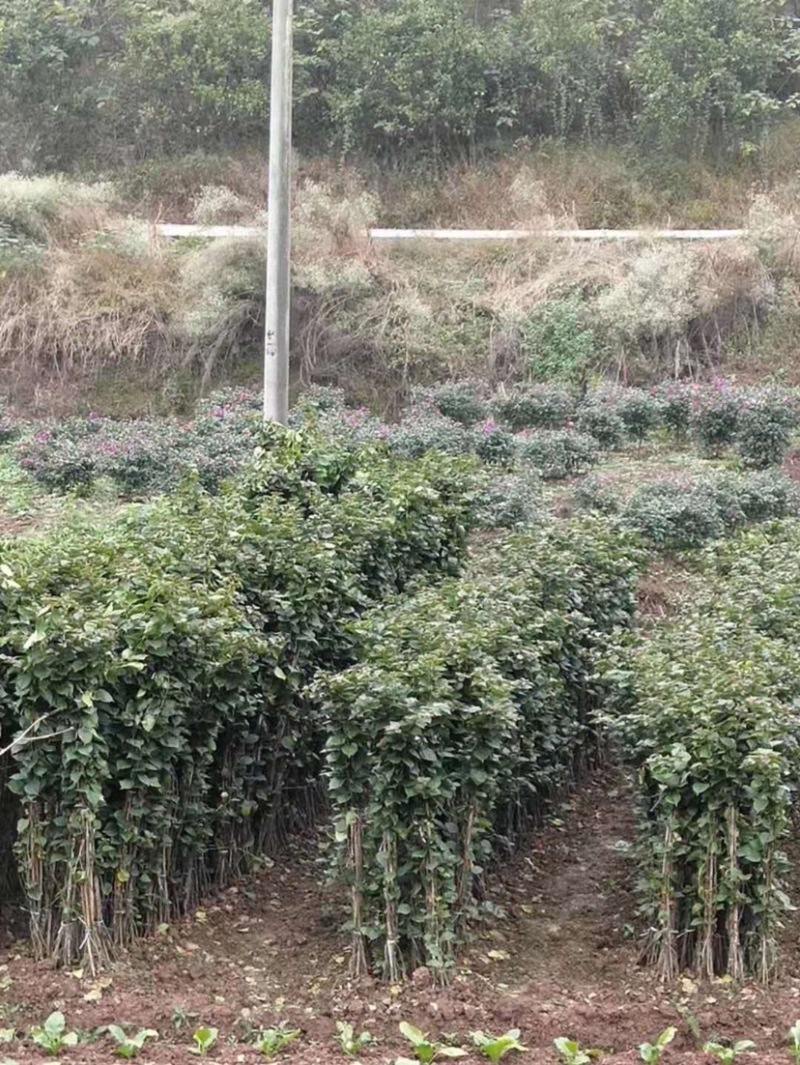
[167,657]
[685,513]
[539,425]
[711,719]
[471,704]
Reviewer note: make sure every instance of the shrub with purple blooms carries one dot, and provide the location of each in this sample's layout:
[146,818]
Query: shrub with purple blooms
[495,445]
[58,463]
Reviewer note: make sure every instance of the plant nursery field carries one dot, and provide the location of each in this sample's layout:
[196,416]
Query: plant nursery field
[469,735]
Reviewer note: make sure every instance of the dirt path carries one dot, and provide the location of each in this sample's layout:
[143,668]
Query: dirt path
[561,961]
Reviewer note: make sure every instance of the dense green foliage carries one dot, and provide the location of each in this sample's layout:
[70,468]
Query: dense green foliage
[471,704]
[684,514]
[436,77]
[167,656]
[711,721]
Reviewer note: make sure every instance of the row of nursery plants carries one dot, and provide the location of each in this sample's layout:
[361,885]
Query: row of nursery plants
[53,1037]
[155,672]
[472,703]
[758,421]
[707,707]
[540,427]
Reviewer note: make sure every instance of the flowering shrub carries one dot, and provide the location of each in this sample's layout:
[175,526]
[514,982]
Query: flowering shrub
[58,463]
[535,407]
[601,422]
[558,453]
[494,445]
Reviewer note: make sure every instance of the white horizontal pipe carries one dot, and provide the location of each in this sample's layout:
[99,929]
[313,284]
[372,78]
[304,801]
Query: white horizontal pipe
[486,235]
[555,234]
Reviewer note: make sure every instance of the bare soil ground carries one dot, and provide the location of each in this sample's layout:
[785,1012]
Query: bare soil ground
[562,960]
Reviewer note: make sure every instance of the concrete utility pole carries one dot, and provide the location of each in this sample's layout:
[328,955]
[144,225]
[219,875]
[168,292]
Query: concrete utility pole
[276,341]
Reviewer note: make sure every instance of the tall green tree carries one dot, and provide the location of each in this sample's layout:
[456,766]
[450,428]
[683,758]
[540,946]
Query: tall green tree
[710,74]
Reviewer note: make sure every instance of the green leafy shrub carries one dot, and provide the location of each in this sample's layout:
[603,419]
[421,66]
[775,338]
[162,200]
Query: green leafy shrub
[601,422]
[509,500]
[558,453]
[765,428]
[462,401]
[183,637]
[534,407]
[558,343]
[673,515]
[640,412]
[470,704]
[683,514]
[675,399]
[709,720]
[10,427]
[425,430]
[597,493]
[715,417]
[57,462]
[494,445]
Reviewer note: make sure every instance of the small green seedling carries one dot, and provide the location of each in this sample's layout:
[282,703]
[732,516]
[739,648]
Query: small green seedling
[8,1035]
[495,1047]
[424,1049]
[794,1041]
[272,1040]
[204,1039]
[181,1017]
[572,1053]
[53,1036]
[128,1046]
[650,1053]
[347,1039]
[727,1055]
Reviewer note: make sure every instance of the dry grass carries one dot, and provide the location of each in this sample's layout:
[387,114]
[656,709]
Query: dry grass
[103,299]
